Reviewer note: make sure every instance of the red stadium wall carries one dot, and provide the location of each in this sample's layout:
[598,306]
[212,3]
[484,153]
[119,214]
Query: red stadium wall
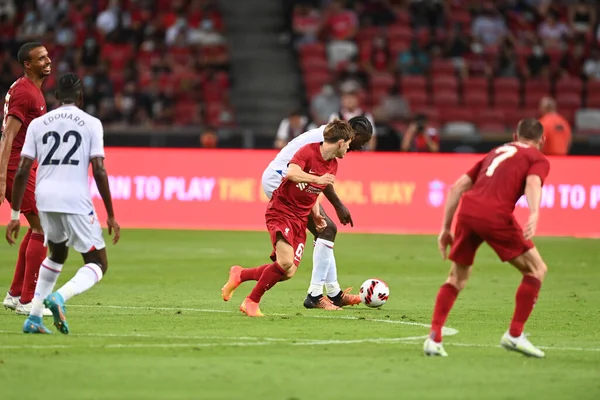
[387,193]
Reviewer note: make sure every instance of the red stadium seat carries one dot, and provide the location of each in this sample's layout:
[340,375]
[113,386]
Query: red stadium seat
[444,83]
[412,83]
[570,85]
[475,83]
[382,81]
[416,98]
[314,49]
[445,99]
[474,98]
[442,67]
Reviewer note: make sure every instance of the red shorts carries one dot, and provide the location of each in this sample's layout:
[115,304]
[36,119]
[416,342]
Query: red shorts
[293,232]
[505,237]
[28,204]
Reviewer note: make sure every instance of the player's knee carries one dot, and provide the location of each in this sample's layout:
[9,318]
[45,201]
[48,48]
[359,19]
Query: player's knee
[538,269]
[329,232]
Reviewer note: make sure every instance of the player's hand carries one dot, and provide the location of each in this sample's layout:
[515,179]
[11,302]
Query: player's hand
[113,226]
[320,222]
[445,239]
[12,231]
[344,215]
[531,227]
[2,192]
[326,179]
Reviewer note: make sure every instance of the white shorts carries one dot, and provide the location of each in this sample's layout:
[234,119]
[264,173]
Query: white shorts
[81,232]
[271,180]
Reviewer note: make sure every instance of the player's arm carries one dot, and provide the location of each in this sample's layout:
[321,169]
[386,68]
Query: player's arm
[18,190]
[296,174]
[463,184]
[12,127]
[101,178]
[342,212]
[20,183]
[533,193]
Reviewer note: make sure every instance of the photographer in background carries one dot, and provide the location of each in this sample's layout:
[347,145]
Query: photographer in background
[421,138]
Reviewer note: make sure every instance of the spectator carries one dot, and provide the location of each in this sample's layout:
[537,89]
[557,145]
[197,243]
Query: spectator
[32,27]
[420,137]
[294,125]
[489,27]
[477,60]
[507,66]
[573,60]
[428,13]
[353,73]
[209,138]
[375,12]
[552,32]
[206,34]
[306,23]
[456,48]
[591,68]
[324,104]
[350,107]
[538,63]
[582,17]
[413,61]
[8,11]
[340,28]
[53,11]
[379,58]
[557,132]
[113,17]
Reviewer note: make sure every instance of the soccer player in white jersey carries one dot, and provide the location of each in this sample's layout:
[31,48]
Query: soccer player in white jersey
[64,142]
[324,266]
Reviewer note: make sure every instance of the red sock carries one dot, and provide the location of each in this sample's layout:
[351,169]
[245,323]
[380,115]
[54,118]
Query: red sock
[443,304]
[252,274]
[17,282]
[35,254]
[269,278]
[527,294]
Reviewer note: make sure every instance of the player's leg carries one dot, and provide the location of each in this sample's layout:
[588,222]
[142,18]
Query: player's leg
[14,292]
[462,254]
[85,237]
[50,270]
[324,271]
[271,180]
[35,252]
[533,268]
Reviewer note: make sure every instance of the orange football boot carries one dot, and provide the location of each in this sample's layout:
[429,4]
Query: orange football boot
[233,282]
[251,308]
[347,299]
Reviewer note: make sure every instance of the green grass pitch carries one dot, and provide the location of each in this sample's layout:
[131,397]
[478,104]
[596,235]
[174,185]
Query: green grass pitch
[156,327]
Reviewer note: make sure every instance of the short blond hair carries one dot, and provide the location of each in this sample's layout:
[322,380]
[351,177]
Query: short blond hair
[338,130]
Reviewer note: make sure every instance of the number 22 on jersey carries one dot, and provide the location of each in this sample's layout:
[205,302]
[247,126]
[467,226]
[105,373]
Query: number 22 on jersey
[56,140]
[503,153]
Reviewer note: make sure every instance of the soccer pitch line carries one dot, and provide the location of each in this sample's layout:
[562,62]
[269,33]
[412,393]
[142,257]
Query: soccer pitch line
[247,341]
[447,331]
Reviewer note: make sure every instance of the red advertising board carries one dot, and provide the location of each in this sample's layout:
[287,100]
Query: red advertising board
[386,192]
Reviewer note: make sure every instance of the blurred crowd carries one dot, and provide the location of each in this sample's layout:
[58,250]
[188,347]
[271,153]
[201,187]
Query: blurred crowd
[443,58]
[143,62]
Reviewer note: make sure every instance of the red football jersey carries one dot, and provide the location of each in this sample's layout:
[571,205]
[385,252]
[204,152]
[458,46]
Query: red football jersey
[297,199]
[499,179]
[25,102]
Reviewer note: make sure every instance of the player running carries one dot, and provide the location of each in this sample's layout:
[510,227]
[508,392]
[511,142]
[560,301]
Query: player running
[489,192]
[24,102]
[294,202]
[324,265]
[64,142]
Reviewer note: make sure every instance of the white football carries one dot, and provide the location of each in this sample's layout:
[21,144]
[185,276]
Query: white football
[374,293]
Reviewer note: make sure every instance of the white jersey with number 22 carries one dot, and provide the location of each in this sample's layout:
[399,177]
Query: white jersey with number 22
[63,142]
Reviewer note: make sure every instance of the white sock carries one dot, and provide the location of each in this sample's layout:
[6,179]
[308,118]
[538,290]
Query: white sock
[47,277]
[322,256]
[85,278]
[331,281]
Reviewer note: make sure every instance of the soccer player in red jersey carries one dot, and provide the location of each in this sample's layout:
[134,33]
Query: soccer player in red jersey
[489,192]
[310,170]
[23,103]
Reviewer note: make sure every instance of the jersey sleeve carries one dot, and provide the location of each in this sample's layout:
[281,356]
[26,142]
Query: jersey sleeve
[302,157]
[18,104]
[29,149]
[97,145]
[539,167]
[474,171]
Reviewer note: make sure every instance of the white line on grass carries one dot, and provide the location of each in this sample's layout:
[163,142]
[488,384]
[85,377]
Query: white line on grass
[446,330]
